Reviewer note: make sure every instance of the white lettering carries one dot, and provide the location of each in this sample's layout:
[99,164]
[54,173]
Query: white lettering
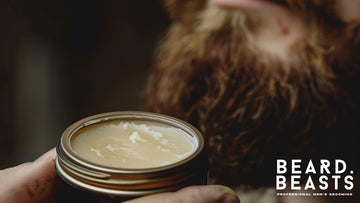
[295,164]
[293,182]
[349,185]
[281,166]
[339,162]
[309,184]
[336,182]
[280,182]
[325,164]
[323,182]
[310,168]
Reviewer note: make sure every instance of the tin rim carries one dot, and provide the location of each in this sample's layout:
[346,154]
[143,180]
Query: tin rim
[77,171]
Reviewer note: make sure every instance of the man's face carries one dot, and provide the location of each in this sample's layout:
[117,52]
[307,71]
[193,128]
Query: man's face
[255,74]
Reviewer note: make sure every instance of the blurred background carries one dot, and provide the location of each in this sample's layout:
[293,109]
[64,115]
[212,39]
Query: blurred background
[63,60]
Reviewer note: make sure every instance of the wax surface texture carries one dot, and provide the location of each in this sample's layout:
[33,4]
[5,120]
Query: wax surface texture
[133,145]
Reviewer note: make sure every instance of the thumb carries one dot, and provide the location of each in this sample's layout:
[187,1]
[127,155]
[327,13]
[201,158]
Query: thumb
[29,182]
[194,194]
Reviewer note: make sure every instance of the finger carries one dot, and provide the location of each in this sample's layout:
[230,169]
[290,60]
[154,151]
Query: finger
[29,182]
[193,194]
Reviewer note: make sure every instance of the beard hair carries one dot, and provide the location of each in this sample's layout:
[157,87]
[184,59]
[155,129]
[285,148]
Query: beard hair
[252,107]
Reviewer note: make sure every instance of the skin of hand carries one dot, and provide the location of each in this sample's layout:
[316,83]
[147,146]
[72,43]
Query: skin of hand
[36,182]
[29,182]
[193,194]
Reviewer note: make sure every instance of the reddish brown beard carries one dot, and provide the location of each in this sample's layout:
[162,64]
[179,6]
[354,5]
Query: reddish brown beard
[253,108]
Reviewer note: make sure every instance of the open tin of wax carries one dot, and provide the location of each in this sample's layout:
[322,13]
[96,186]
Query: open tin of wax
[125,174]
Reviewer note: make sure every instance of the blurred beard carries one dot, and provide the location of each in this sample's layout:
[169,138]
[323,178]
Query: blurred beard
[251,106]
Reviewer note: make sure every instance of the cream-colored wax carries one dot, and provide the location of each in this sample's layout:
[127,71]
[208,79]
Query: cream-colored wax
[133,145]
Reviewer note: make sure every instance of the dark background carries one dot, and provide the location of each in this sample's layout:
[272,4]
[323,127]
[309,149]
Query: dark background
[63,60]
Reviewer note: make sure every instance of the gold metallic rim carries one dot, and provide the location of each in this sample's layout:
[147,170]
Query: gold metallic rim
[120,181]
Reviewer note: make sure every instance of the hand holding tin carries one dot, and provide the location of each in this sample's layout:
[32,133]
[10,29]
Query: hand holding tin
[36,182]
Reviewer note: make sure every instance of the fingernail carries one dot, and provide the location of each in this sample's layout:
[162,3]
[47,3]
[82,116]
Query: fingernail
[48,155]
[228,199]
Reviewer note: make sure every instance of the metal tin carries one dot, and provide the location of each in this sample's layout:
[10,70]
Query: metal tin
[130,183]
